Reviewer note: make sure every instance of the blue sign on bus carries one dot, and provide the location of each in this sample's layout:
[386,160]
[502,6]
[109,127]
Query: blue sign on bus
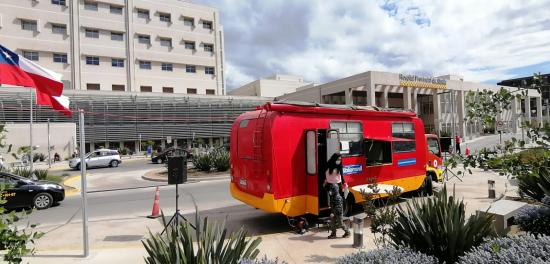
[353,169]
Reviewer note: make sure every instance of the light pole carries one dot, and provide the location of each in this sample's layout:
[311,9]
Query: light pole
[451,101]
[49,150]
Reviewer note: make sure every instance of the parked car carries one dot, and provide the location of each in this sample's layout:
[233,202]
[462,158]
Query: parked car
[163,156]
[22,192]
[98,158]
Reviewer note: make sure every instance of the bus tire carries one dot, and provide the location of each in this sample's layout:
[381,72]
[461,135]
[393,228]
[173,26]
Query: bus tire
[427,186]
[348,205]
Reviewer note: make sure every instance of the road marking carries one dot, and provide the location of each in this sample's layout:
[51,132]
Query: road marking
[68,182]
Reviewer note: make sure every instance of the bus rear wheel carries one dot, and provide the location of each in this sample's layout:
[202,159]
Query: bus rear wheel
[427,188]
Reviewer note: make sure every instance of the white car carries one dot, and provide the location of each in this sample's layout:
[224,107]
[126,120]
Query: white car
[98,158]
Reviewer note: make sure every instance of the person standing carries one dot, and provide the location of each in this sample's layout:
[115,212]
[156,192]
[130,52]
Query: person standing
[457,143]
[332,184]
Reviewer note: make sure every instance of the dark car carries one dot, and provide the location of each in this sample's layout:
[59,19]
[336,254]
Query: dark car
[22,192]
[163,156]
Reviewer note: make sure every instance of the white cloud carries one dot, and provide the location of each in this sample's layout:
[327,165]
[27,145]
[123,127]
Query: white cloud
[325,40]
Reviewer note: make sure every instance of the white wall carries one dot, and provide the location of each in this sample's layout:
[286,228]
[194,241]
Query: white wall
[62,138]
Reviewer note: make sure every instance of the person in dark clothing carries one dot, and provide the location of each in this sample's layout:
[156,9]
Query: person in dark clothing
[333,182]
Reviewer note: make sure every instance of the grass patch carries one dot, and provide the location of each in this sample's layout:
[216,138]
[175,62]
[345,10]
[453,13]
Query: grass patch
[54,178]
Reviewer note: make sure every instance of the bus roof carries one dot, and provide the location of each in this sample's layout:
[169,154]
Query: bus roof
[315,108]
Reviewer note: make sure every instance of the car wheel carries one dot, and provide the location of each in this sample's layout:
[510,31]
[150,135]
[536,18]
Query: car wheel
[427,187]
[114,163]
[42,201]
[159,161]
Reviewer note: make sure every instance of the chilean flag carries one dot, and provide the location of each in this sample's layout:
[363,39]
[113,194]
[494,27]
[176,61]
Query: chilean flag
[19,71]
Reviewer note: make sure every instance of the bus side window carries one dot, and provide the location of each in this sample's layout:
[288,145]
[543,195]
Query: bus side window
[378,152]
[351,137]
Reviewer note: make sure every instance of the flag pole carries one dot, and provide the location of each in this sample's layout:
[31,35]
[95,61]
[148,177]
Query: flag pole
[30,128]
[83,183]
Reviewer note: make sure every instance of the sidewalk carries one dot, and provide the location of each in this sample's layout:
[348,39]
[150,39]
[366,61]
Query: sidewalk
[119,240]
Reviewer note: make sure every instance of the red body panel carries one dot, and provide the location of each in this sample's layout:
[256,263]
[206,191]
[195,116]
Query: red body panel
[280,167]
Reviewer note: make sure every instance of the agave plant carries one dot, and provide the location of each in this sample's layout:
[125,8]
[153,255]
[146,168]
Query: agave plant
[535,184]
[220,160]
[437,226]
[212,244]
[202,161]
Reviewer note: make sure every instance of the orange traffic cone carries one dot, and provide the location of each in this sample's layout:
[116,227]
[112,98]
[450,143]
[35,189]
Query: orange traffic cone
[156,205]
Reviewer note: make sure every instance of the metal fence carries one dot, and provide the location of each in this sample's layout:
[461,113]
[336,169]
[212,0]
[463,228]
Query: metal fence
[118,117]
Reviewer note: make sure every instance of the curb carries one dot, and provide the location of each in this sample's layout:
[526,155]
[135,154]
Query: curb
[68,182]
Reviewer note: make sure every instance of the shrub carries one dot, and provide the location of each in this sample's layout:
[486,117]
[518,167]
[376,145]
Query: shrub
[38,157]
[209,243]
[123,151]
[220,160]
[202,161]
[437,226]
[535,218]
[264,260]
[533,185]
[504,250]
[388,255]
[40,174]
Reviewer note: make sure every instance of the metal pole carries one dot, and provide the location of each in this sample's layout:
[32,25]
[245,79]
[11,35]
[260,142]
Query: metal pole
[453,134]
[30,129]
[139,145]
[84,187]
[49,152]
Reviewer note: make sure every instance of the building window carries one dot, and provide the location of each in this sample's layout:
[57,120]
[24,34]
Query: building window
[115,9]
[190,68]
[209,70]
[90,60]
[118,87]
[59,2]
[143,13]
[188,21]
[207,25]
[119,63]
[92,86]
[117,36]
[165,17]
[59,29]
[210,91]
[189,45]
[166,42]
[146,89]
[144,39]
[146,65]
[168,89]
[167,66]
[60,58]
[29,25]
[208,47]
[92,6]
[92,33]
[192,90]
[31,55]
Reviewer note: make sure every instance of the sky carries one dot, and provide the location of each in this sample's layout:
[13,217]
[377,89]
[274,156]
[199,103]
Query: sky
[324,40]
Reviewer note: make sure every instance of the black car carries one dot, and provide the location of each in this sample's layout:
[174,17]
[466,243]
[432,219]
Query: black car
[22,192]
[163,156]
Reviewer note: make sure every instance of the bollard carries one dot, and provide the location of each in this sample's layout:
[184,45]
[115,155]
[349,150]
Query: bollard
[358,224]
[492,193]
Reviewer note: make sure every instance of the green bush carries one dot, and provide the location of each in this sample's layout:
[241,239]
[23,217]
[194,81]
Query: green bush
[41,174]
[220,160]
[38,157]
[203,161]
[533,155]
[392,255]
[437,226]
[209,243]
[507,250]
[535,219]
[533,184]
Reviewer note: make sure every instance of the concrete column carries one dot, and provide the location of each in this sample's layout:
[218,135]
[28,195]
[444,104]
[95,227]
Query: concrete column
[92,146]
[371,94]
[211,142]
[175,142]
[461,112]
[348,96]
[121,143]
[189,142]
[74,56]
[221,141]
[437,111]
[515,115]
[106,145]
[527,102]
[163,143]
[407,104]
[385,96]
[539,111]
[415,100]
[137,151]
[129,39]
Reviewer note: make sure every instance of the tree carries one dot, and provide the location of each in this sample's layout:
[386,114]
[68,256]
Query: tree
[13,239]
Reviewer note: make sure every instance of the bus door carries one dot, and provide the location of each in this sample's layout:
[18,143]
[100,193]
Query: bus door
[321,144]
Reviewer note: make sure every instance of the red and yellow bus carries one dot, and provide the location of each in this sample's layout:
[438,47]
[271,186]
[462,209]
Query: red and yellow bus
[279,154]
